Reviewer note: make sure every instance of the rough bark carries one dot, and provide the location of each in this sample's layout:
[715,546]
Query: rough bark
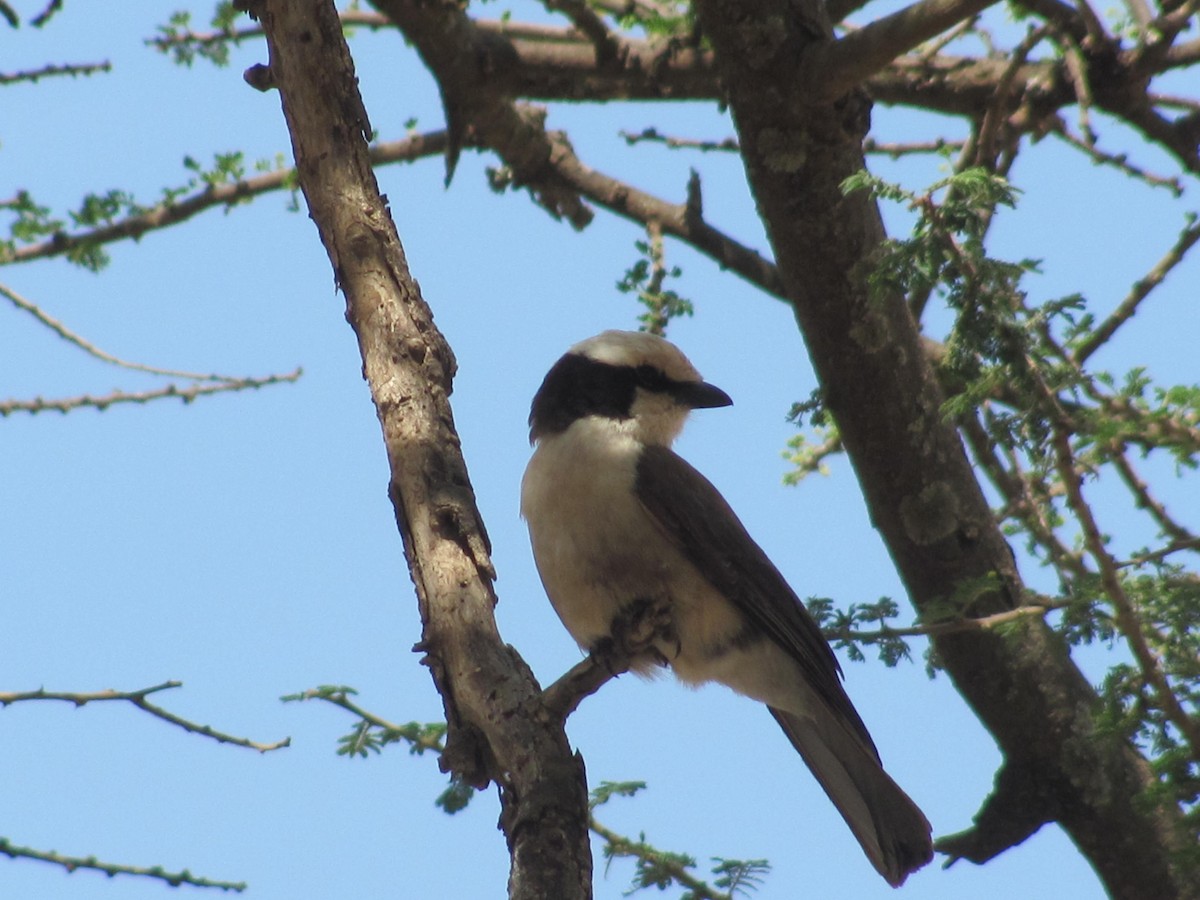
[918,483]
[499,728]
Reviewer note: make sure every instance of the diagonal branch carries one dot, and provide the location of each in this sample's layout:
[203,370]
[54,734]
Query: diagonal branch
[166,214]
[496,727]
[591,25]
[1141,290]
[836,67]
[91,349]
[541,160]
[684,221]
[138,699]
[75,863]
[1124,613]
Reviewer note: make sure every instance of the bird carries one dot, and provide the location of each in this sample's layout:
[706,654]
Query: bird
[624,532]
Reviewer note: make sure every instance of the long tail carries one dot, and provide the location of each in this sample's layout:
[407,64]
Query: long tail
[893,832]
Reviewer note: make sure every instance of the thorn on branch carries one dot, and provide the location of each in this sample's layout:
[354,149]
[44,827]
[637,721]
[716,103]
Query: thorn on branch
[693,210]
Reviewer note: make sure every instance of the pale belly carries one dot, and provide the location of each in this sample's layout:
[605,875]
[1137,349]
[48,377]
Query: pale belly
[598,551]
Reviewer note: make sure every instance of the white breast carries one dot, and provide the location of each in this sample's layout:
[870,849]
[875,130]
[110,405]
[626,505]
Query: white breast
[597,549]
[593,543]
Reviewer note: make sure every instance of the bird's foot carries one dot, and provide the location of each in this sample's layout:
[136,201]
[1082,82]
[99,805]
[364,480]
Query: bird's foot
[637,635]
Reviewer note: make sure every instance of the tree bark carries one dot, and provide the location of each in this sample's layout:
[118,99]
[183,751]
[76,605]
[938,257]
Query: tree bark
[499,727]
[918,483]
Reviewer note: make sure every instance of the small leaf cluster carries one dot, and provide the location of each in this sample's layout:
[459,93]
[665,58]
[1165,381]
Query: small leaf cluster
[665,20]
[30,222]
[1046,425]
[177,39]
[862,625]
[646,279]
[664,869]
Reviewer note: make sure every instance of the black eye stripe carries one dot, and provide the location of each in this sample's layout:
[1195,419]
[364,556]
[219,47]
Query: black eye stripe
[653,379]
[577,386]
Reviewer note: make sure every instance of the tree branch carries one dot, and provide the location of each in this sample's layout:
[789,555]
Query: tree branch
[1126,616]
[1141,290]
[91,349]
[921,491]
[51,70]
[104,401]
[170,213]
[497,728]
[74,863]
[543,161]
[138,699]
[590,25]
[683,220]
[836,67]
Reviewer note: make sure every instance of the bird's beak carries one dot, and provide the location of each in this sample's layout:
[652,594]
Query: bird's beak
[702,395]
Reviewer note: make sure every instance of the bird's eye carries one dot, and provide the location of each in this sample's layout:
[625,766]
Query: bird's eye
[651,378]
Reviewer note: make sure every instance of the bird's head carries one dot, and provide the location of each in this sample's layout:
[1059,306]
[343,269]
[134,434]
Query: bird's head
[638,380]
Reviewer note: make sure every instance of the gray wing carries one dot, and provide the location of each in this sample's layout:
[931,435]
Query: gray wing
[696,518]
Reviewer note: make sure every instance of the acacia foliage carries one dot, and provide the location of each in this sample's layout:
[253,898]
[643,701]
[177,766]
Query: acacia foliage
[1018,374]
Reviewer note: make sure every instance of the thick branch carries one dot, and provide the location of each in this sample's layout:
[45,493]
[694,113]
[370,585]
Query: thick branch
[861,53]
[919,486]
[498,729]
[481,115]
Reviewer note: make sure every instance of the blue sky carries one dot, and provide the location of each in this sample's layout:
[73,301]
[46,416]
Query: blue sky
[245,544]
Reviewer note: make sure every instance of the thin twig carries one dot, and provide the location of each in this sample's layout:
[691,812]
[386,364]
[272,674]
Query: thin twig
[1157,556]
[1118,161]
[50,71]
[1019,492]
[1144,500]
[652,135]
[91,349]
[678,220]
[74,863]
[187,395]
[930,49]
[1042,607]
[619,845]
[138,699]
[1140,291]
[166,214]
[898,149]
[1125,615]
[419,739]
[997,110]
[1075,63]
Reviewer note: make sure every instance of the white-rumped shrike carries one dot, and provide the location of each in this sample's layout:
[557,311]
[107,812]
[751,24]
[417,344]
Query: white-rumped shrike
[620,525]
